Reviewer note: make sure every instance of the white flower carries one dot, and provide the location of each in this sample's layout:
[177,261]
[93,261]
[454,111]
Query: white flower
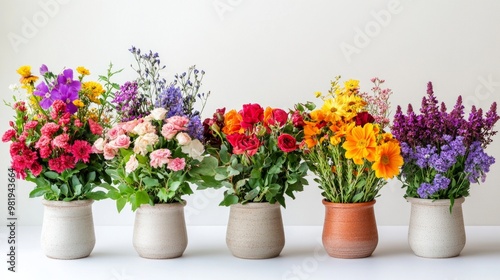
[183,138]
[157,114]
[143,128]
[142,142]
[132,164]
[194,149]
[14,87]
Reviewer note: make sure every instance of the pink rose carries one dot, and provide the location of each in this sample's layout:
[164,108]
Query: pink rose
[178,122]
[115,132]
[176,164]
[144,128]
[98,147]
[109,151]
[168,131]
[278,118]
[130,125]
[131,164]
[122,141]
[287,143]
[183,138]
[251,114]
[159,157]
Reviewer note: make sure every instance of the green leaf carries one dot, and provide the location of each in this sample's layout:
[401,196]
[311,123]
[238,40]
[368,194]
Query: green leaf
[142,197]
[113,194]
[256,173]
[51,175]
[91,176]
[252,194]
[151,182]
[75,181]
[55,190]
[163,195]
[78,189]
[39,192]
[64,189]
[229,200]
[120,203]
[174,185]
[125,189]
[358,197]
[97,195]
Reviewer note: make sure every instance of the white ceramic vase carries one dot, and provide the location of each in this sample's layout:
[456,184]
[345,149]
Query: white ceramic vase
[68,229]
[160,231]
[255,230]
[434,232]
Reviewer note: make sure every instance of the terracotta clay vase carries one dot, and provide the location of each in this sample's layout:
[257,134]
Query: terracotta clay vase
[350,229]
[160,231]
[255,230]
[67,229]
[434,231]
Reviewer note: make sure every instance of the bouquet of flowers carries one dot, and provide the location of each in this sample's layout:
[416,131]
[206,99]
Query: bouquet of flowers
[346,144]
[54,131]
[443,151]
[258,153]
[156,149]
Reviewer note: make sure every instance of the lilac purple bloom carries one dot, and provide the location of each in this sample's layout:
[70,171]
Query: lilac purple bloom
[443,152]
[43,91]
[171,100]
[130,103]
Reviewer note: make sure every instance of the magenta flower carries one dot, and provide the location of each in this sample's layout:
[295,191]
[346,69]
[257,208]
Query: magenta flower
[66,94]
[47,98]
[66,78]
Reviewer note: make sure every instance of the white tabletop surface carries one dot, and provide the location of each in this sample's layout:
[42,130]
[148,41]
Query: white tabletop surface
[207,257]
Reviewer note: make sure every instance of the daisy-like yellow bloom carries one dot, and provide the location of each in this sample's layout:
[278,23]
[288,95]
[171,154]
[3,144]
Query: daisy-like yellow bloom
[93,90]
[351,85]
[26,77]
[360,144]
[78,103]
[82,71]
[388,160]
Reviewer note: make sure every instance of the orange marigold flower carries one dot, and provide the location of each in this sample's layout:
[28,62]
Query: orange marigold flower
[232,123]
[388,160]
[360,144]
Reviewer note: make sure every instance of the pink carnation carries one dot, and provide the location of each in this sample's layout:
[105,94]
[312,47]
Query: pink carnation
[178,122]
[176,164]
[95,128]
[62,163]
[49,129]
[78,123]
[45,152]
[30,125]
[168,131]
[61,141]
[65,119]
[36,169]
[81,150]
[159,157]
[44,141]
[8,135]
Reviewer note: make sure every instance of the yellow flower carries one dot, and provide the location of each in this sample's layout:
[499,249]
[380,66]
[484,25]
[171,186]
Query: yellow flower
[26,77]
[93,90]
[360,144]
[317,94]
[78,103]
[82,71]
[351,85]
[388,160]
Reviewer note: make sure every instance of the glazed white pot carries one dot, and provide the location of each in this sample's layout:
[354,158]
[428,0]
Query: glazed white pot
[160,231]
[68,229]
[434,232]
[255,230]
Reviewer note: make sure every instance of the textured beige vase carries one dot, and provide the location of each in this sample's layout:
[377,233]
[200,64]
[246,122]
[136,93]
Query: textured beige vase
[434,232]
[350,229]
[255,230]
[160,231]
[68,229]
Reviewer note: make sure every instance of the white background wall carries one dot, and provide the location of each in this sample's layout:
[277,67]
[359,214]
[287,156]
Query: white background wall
[275,53]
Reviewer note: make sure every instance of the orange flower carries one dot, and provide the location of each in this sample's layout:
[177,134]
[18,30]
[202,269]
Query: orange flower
[232,123]
[311,132]
[360,144]
[388,160]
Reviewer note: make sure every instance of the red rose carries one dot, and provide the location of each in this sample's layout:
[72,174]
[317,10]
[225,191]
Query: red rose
[287,143]
[251,114]
[297,119]
[243,143]
[363,118]
[278,118]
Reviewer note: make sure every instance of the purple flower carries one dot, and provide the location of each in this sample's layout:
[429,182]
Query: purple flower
[47,98]
[195,128]
[66,78]
[439,183]
[67,95]
[478,163]
[43,69]
[130,103]
[171,100]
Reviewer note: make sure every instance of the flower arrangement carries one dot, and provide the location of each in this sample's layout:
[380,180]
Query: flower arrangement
[346,144]
[156,149]
[443,151]
[54,131]
[258,153]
